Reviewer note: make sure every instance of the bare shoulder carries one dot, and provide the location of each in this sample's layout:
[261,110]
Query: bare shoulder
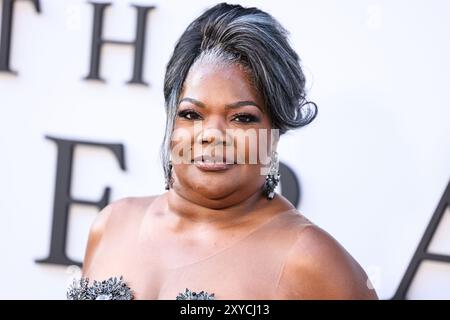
[318,267]
[119,211]
[111,219]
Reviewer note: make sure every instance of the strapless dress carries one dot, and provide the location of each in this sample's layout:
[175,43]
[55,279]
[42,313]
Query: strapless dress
[250,267]
[115,288]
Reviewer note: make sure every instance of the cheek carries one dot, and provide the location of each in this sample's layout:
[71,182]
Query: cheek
[181,145]
[250,176]
[253,147]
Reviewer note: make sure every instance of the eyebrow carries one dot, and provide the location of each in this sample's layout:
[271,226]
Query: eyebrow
[227,106]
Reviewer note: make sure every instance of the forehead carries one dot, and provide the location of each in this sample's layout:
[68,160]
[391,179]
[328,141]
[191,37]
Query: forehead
[219,84]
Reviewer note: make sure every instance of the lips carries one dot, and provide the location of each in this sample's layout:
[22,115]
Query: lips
[209,163]
[208,158]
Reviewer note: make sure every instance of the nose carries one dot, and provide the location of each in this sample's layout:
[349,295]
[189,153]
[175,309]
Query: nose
[213,131]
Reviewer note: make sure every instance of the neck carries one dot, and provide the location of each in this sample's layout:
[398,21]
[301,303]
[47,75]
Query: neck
[187,212]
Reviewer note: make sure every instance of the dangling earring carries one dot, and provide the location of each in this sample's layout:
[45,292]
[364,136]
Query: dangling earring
[272,178]
[169,175]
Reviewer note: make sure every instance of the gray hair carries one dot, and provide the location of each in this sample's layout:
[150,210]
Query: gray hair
[252,39]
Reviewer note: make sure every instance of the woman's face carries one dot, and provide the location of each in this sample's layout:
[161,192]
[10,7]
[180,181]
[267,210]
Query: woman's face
[221,138]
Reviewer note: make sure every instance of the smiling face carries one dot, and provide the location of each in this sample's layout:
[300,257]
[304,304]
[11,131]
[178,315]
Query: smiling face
[218,134]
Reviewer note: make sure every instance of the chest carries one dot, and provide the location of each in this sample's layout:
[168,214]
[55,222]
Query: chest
[244,271]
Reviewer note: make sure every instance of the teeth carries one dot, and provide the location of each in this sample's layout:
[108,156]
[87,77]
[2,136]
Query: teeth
[209,160]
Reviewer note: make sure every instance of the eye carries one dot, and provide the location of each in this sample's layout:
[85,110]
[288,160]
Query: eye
[189,115]
[245,118]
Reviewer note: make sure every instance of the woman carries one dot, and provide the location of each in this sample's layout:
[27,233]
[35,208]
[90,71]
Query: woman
[221,231]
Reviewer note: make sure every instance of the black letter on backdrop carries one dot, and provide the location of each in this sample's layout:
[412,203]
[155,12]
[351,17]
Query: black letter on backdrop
[138,43]
[63,198]
[6,32]
[422,253]
[290,187]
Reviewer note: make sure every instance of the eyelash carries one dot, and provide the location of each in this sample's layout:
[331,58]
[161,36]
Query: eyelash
[249,117]
[185,113]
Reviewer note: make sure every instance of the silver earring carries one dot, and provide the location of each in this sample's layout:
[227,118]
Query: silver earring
[169,175]
[272,178]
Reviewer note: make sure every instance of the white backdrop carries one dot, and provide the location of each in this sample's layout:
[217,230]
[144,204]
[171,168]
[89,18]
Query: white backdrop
[372,166]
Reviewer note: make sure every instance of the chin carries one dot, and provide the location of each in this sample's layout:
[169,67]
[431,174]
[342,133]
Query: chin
[214,186]
[210,185]
[214,192]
